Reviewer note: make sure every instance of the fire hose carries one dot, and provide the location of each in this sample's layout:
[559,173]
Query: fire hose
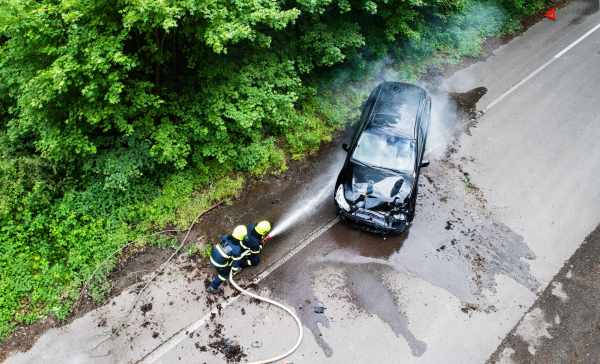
[276,304]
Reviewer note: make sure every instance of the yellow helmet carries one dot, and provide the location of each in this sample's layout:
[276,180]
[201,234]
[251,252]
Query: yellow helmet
[239,232]
[263,227]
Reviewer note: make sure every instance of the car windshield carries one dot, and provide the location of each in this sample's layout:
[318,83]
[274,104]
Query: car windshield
[385,151]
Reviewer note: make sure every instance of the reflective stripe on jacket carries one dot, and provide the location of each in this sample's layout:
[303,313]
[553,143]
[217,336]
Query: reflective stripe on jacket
[226,253]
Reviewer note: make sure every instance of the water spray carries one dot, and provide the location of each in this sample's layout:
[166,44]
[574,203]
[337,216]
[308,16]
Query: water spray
[302,211]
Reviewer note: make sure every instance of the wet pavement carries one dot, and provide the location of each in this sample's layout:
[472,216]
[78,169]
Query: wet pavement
[450,245]
[448,289]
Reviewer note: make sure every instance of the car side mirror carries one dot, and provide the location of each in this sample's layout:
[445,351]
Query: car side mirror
[425,164]
[345,147]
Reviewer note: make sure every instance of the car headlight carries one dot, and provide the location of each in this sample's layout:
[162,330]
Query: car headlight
[399,217]
[341,199]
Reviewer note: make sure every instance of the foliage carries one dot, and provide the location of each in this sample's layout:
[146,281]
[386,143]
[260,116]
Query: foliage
[194,249]
[163,241]
[191,250]
[121,117]
[467,181]
[206,251]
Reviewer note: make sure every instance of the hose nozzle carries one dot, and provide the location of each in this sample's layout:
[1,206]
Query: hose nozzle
[265,238]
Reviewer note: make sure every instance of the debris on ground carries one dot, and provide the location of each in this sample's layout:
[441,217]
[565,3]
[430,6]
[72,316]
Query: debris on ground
[231,349]
[200,347]
[145,308]
[469,307]
[257,344]
[468,100]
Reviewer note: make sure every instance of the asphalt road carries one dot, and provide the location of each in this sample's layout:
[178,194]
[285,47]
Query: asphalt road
[453,288]
[563,326]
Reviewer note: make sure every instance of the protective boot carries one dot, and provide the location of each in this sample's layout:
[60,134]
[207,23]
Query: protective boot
[213,290]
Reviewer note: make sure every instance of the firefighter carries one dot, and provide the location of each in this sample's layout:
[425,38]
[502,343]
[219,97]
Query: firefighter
[226,256]
[257,235]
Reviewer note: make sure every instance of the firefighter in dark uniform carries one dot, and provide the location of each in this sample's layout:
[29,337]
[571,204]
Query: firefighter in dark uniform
[257,235]
[226,256]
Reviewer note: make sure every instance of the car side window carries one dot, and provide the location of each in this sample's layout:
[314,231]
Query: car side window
[363,117]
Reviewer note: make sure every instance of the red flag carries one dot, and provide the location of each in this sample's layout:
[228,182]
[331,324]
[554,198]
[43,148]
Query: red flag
[551,14]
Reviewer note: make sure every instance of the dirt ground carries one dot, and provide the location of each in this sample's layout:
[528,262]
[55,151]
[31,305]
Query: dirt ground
[133,265]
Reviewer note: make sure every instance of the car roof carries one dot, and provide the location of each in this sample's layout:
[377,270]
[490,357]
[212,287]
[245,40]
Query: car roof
[396,108]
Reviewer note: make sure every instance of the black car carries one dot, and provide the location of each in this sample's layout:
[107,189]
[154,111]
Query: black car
[377,188]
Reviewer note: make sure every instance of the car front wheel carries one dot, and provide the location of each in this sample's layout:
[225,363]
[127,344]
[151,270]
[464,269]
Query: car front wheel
[413,206]
[411,215]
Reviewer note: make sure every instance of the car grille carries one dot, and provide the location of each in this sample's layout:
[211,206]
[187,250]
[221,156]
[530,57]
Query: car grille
[373,216]
[372,221]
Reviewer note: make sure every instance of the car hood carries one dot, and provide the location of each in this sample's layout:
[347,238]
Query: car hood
[374,188]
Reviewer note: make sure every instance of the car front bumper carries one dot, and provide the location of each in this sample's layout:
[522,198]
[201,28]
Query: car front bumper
[370,221]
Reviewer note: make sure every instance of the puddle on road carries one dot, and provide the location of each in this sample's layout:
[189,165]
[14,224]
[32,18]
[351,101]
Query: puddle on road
[450,245]
[367,244]
[293,285]
[368,292]
[469,237]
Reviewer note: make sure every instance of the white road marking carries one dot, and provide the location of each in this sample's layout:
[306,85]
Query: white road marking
[183,333]
[558,55]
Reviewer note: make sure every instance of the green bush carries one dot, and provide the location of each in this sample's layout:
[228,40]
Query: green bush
[261,157]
